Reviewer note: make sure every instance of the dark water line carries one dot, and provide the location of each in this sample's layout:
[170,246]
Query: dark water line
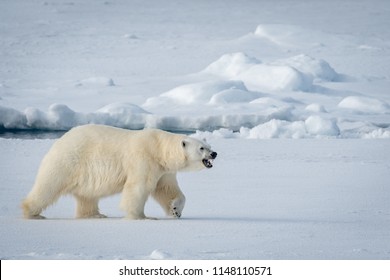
[31,134]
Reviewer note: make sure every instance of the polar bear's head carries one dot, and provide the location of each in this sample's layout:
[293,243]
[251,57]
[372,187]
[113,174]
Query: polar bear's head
[198,154]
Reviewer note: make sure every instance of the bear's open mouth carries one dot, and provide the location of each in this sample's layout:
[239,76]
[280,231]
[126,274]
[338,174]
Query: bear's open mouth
[207,162]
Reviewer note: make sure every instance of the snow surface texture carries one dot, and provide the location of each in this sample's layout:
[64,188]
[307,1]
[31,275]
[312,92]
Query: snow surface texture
[70,63]
[228,71]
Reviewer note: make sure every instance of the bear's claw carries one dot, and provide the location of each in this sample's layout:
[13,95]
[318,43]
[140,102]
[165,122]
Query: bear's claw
[175,213]
[176,207]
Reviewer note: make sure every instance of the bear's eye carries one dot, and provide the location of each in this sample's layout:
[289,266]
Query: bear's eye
[201,148]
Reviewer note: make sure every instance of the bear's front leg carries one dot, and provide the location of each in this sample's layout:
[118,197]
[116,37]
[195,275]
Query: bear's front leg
[133,201]
[177,206]
[169,195]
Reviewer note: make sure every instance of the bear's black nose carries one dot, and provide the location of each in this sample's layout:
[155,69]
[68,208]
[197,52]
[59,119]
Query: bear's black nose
[213,155]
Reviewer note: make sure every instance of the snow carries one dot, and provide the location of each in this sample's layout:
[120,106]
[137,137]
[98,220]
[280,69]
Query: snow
[234,72]
[365,105]
[96,82]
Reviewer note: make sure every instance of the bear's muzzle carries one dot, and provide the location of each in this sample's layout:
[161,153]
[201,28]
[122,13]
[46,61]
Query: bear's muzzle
[208,162]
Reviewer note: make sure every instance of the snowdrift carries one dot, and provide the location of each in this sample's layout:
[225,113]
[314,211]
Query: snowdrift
[296,96]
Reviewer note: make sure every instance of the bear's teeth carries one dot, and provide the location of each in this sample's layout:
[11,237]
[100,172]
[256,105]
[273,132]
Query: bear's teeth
[207,162]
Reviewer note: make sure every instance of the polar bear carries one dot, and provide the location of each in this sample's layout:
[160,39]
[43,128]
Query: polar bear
[94,161]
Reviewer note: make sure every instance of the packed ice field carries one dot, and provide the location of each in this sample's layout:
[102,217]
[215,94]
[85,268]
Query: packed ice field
[236,73]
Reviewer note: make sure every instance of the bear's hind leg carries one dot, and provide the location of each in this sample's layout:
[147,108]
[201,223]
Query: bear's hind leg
[31,211]
[37,201]
[169,195]
[133,201]
[87,208]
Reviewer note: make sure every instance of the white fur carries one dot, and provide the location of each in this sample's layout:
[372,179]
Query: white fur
[95,161]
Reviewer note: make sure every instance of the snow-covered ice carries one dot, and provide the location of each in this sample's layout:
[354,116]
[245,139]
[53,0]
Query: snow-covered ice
[234,72]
